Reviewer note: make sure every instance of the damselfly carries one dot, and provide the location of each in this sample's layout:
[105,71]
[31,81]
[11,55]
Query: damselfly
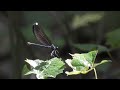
[43,39]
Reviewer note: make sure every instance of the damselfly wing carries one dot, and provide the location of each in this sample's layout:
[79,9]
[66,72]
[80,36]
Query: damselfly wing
[40,35]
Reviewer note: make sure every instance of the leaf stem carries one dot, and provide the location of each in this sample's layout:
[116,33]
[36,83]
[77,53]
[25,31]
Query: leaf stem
[95,73]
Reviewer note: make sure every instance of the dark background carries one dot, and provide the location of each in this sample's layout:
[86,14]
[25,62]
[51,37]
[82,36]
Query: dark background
[71,31]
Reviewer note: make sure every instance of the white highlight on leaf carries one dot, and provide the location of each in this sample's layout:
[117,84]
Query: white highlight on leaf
[34,63]
[68,61]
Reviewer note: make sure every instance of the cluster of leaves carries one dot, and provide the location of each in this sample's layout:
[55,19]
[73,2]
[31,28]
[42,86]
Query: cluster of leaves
[44,69]
[80,63]
[83,63]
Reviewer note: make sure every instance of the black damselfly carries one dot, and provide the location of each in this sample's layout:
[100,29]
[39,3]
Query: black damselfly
[43,39]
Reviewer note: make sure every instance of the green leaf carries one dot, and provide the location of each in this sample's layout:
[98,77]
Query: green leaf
[55,67]
[86,59]
[45,69]
[113,38]
[81,62]
[90,47]
[41,66]
[91,56]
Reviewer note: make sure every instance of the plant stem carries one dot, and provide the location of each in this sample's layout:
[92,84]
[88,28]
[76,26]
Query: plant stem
[95,73]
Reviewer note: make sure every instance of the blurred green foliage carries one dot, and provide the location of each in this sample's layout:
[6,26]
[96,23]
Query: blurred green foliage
[113,38]
[89,47]
[42,17]
[84,20]
[104,67]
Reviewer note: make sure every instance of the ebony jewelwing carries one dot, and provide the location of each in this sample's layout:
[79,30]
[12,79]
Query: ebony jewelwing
[43,39]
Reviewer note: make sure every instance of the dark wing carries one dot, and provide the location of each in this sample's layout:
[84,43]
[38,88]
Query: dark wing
[40,35]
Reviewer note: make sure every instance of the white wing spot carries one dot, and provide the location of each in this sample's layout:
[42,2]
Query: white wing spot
[36,23]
